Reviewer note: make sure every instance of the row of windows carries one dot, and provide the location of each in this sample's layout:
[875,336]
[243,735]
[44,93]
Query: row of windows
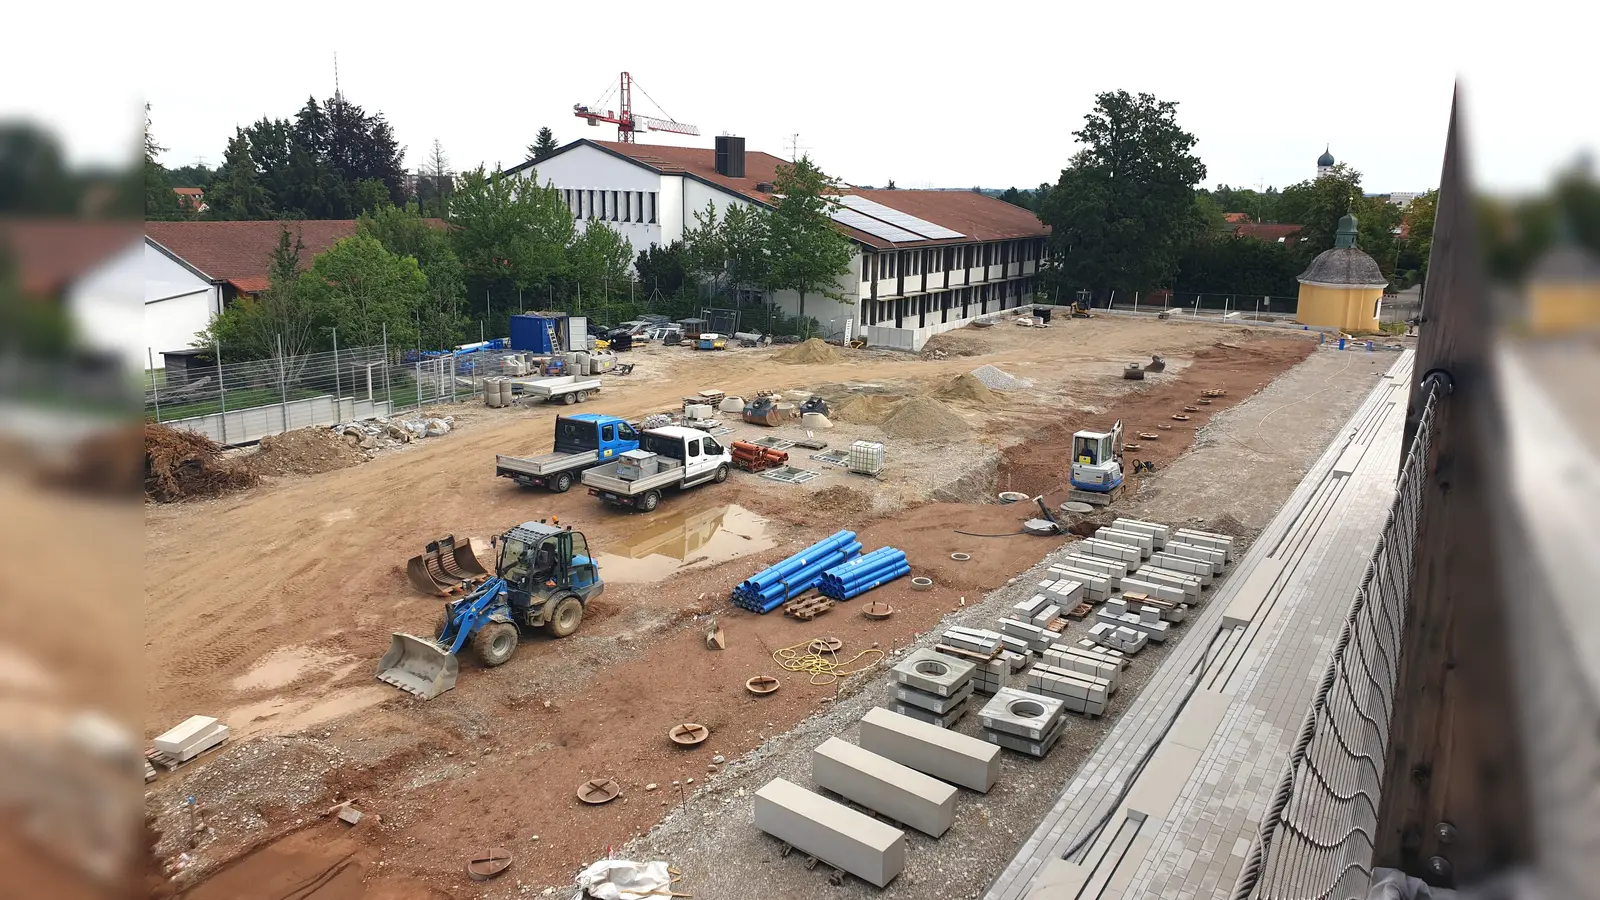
[945,259]
[938,305]
[611,206]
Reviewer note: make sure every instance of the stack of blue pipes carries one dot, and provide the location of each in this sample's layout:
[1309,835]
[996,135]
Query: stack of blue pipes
[769,589]
[862,574]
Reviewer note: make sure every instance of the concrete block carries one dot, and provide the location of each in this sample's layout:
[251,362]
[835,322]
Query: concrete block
[1111,550]
[1216,558]
[1113,634]
[1064,592]
[1037,637]
[1084,662]
[1158,533]
[931,702]
[1016,646]
[936,673]
[1023,745]
[834,833]
[1149,614]
[1078,693]
[1017,661]
[1219,542]
[1048,614]
[1112,569]
[984,643]
[191,737]
[947,755]
[1131,538]
[942,719]
[1029,608]
[1156,589]
[1183,581]
[1096,585]
[883,785]
[1174,563]
[1021,713]
[1155,631]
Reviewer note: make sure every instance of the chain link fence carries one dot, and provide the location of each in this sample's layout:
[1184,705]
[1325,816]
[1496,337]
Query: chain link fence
[1318,836]
[236,402]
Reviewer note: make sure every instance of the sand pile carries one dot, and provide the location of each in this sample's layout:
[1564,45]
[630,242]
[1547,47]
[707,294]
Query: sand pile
[304,451]
[999,380]
[179,465]
[863,409]
[811,352]
[953,343]
[968,388]
[841,500]
[924,419]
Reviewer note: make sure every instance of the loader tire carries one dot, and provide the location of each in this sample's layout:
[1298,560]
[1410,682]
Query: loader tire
[565,618]
[562,484]
[495,642]
[650,501]
[722,474]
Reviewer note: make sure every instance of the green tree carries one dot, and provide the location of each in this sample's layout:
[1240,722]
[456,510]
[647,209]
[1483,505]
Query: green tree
[252,327]
[510,234]
[746,238]
[1227,264]
[34,178]
[1017,198]
[543,145]
[806,253]
[435,183]
[160,202]
[706,248]
[663,269]
[1124,210]
[1417,245]
[237,192]
[361,288]
[598,259]
[404,232]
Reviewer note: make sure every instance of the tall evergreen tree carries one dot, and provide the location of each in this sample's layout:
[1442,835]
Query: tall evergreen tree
[160,202]
[544,145]
[236,191]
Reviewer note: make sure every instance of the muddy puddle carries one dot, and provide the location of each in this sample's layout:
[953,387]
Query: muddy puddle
[676,541]
[282,666]
[286,715]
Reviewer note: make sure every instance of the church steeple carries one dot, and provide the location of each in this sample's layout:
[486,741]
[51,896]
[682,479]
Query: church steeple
[1325,161]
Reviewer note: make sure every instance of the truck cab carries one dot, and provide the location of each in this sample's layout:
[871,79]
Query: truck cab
[673,456]
[607,437]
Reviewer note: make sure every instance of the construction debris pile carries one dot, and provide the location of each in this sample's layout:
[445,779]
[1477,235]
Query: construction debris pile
[304,451]
[811,352]
[998,380]
[179,465]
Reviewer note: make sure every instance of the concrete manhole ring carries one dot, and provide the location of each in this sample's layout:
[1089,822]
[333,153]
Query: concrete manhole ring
[877,609]
[1180,417]
[1149,435]
[761,685]
[1075,506]
[921,583]
[961,557]
[932,667]
[1130,446]
[1205,402]
[596,791]
[1025,709]
[1163,428]
[689,734]
[825,645]
[1191,409]
[1012,496]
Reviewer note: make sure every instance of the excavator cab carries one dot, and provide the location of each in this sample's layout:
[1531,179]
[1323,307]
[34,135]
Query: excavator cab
[1097,460]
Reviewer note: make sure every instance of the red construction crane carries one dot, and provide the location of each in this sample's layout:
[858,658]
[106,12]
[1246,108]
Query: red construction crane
[627,123]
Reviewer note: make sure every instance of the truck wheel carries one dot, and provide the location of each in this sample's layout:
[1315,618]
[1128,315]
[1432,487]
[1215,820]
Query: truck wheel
[495,642]
[569,399]
[650,501]
[722,474]
[562,484]
[565,618]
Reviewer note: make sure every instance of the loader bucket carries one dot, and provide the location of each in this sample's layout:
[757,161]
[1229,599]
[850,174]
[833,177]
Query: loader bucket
[475,556]
[421,579]
[418,666]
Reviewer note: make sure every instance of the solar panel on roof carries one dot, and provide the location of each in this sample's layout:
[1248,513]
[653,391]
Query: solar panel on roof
[852,219]
[899,219]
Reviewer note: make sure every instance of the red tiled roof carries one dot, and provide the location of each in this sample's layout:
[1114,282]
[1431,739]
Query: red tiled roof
[1236,218]
[241,252]
[1271,233]
[50,254]
[188,191]
[976,216]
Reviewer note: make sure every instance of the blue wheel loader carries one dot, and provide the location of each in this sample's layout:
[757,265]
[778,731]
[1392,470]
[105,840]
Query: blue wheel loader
[544,578]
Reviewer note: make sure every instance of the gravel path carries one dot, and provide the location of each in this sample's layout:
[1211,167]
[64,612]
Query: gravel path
[1266,442]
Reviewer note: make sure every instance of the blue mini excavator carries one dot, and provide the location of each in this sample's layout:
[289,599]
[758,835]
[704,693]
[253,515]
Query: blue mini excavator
[1097,466]
[544,578]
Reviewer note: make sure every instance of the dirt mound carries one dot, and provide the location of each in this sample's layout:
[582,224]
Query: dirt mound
[841,500]
[811,352]
[304,451]
[924,418]
[968,388]
[863,409]
[953,343]
[179,465]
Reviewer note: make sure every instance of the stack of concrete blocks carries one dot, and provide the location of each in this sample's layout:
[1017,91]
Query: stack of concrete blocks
[1016,647]
[1023,721]
[1167,610]
[946,755]
[932,687]
[1079,693]
[1117,636]
[1155,585]
[1037,637]
[1097,585]
[884,786]
[1065,593]
[996,663]
[1158,533]
[190,738]
[1110,551]
[1086,662]
[1168,562]
[832,832]
[1147,619]
[1216,559]
[1219,542]
[1094,648]
[974,641]
[1038,609]
[1188,584]
[1138,540]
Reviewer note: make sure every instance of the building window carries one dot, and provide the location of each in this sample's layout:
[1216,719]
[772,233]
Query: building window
[627,206]
[652,207]
[614,212]
[591,204]
[638,197]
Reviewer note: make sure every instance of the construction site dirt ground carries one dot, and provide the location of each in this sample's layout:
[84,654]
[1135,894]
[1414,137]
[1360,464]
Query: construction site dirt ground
[270,608]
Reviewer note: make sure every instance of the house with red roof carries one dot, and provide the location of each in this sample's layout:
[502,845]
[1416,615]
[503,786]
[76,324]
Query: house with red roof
[926,261]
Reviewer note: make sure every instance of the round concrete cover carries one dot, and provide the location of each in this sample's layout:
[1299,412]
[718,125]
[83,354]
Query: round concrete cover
[932,667]
[1076,507]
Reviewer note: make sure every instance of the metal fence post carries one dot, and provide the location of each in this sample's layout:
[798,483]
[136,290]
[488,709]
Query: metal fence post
[338,392]
[155,389]
[388,391]
[222,391]
[283,385]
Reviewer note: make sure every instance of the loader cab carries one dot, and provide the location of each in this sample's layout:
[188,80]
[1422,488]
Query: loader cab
[539,560]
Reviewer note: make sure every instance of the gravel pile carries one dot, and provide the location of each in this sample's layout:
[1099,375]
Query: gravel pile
[997,380]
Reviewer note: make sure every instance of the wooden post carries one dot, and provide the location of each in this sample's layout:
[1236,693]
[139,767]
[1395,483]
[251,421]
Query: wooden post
[1453,805]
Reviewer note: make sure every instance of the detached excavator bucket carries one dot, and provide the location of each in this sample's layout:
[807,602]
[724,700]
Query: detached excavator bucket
[421,577]
[446,566]
[1156,364]
[475,556]
[418,666]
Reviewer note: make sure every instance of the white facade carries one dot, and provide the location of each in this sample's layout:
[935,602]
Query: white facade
[178,303]
[597,186]
[104,305]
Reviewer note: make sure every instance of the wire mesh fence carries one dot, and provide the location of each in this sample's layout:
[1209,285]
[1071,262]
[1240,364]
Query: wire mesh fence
[1317,838]
[238,401]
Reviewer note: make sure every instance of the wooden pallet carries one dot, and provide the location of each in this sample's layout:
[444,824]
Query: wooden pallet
[808,608]
[1081,611]
[967,654]
[171,763]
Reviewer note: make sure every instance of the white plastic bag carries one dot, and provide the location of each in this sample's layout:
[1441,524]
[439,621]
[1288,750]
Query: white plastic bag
[622,879]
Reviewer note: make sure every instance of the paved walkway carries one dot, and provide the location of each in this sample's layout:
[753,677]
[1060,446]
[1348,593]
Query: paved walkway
[1223,710]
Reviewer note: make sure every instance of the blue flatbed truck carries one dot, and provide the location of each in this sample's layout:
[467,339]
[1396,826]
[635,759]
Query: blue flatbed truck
[581,442]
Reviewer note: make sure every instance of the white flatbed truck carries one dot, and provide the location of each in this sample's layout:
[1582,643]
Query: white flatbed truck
[669,457]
